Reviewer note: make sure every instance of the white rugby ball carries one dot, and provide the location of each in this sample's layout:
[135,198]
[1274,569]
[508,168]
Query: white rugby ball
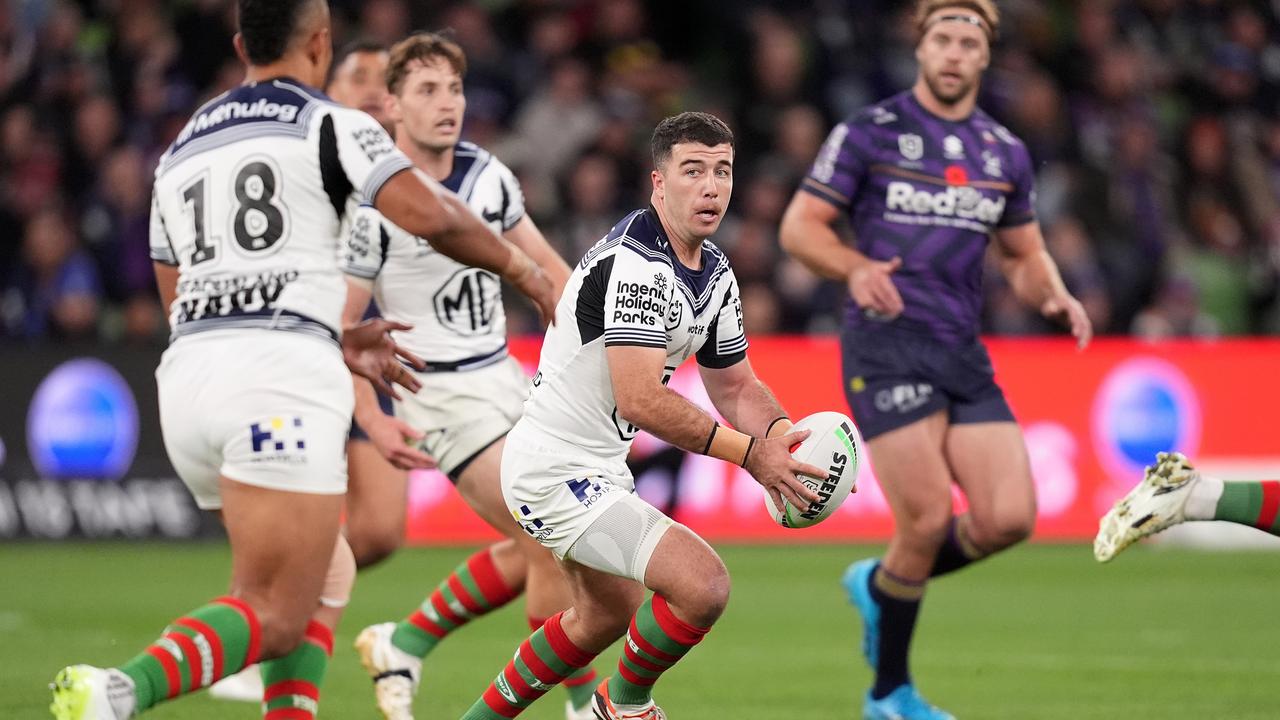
[835,445]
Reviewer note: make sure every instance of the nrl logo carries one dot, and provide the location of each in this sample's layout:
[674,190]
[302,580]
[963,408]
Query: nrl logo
[911,146]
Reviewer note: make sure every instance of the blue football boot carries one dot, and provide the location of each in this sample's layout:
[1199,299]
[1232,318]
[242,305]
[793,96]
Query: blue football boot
[903,703]
[857,585]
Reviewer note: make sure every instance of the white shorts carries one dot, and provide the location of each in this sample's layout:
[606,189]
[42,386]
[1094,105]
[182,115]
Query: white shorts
[263,407]
[463,413]
[556,500]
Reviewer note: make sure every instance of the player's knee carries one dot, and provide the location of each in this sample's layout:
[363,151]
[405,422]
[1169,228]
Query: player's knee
[1001,530]
[928,524]
[704,600]
[372,545]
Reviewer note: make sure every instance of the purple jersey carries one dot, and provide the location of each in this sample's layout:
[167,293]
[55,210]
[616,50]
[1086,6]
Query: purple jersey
[930,191]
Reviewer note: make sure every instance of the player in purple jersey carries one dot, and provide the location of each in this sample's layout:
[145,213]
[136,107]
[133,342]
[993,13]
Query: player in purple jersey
[926,178]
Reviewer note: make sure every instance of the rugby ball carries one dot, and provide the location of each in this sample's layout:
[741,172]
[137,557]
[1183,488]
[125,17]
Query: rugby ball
[834,445]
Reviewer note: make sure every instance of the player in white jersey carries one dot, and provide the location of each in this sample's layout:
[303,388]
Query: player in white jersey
[375,502]
[650,295]
[472,391]
[254,398]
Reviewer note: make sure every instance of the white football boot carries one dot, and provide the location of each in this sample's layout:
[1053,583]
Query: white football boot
[395,672]
[244,686]
[605,709]
[1158,502]
[84,692]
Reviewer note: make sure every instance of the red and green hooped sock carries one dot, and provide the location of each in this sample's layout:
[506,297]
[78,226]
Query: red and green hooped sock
[473,589]
[1251,503]
[545,659]
[581,684]
[292,683]
[656,641]
[196,651]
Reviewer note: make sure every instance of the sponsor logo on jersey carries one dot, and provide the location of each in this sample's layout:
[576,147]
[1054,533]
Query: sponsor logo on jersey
[231,110]
[639,304]
[374,141]
[880,116]
[965,203]
[588,492]
[1003,133]
[825,166]
[952,147]
[911,146]
[204,297]
[467,302]
[536,528]
[280,438]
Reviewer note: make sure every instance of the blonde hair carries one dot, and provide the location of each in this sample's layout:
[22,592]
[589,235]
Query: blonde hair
[986,9]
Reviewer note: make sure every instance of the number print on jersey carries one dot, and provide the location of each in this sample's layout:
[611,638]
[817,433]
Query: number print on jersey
[193,196]
[259,222]
[626,430]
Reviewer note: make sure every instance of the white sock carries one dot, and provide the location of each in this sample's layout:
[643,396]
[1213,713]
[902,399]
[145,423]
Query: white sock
[1202,503]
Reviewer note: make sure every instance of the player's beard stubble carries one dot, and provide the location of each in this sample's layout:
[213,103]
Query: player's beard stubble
[961,91]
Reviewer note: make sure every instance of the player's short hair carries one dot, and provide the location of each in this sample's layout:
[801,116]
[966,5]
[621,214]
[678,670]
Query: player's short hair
[687,127]
[986,9]
[359,46]
[422,47]
[268,26]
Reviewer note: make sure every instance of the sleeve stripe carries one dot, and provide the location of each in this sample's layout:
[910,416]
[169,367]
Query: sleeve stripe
[382,173]
[360,272]
[813,187]
[163,255]
[634,343]
[629,333]
[737,344]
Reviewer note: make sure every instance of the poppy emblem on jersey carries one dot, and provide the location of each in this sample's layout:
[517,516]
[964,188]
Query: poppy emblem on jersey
[952,147]
[956,175]
[911,146]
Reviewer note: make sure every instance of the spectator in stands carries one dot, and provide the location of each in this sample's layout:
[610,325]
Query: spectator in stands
[56,289]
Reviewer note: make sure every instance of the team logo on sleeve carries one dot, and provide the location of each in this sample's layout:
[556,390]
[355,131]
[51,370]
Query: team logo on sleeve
[911,146]
[991,164]
[467,301]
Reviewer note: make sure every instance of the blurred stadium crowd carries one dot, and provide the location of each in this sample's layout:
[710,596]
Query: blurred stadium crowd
[1155,126]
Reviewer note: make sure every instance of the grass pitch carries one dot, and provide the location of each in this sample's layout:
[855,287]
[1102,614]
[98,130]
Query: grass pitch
[1040,632]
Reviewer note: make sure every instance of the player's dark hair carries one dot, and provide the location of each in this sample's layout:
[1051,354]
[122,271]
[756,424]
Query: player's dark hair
[267,27]
[422,47]
[687,127]
[358,46]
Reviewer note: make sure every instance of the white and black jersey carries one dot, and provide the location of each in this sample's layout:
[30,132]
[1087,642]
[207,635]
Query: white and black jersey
[249,201]
[629,289]
[455,310]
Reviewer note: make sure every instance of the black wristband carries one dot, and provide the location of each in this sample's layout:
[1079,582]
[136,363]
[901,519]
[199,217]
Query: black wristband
[776,420]
[747,454]
[707,450]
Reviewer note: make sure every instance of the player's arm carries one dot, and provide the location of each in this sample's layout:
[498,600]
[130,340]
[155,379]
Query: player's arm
[1034,278]
[526,236]
[167,283]
[808,234]
[636,375]
[744,400]
[427,209]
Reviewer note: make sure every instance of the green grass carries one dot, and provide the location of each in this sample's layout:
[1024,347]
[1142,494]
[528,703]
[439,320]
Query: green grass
[1042,632]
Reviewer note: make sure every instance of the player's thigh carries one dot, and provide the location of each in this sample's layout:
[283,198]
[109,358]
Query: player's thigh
[912,471]
[281,546]
[990,463]
[376,492]
[480,484]
[462,414]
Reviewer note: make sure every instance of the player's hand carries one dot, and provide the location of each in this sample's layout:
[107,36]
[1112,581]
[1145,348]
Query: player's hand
[771,464]
[525,275]
[1068,312]
[370,352]
[871,286]
[397,442]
